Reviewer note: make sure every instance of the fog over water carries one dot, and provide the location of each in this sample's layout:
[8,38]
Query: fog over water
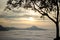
[27,35]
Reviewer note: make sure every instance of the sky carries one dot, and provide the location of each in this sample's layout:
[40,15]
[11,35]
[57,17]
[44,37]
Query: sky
[22,18]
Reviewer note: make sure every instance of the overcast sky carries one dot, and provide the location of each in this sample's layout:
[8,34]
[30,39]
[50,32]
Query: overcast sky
[20,17]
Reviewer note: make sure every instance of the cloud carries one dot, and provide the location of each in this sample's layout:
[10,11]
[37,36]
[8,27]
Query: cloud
[15,13]
[18,13]
[3,4]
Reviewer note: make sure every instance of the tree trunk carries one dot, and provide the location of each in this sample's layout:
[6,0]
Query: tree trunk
[57,31]
[57,22]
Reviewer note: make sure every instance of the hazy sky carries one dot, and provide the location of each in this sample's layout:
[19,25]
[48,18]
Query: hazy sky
[21,17]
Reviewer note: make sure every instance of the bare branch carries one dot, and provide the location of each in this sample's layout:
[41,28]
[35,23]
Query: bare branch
[51,18]
[45,14]
[38,10]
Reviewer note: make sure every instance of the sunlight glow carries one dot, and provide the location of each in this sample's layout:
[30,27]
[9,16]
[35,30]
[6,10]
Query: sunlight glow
[30,19]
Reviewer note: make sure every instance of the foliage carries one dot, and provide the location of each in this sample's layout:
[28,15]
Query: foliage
[44,7]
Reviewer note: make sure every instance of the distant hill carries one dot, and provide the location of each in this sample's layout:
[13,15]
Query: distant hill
[31,28]
[34,28]
[13,28]
[2,28]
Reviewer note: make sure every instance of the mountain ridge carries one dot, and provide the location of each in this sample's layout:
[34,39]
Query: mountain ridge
[13,28]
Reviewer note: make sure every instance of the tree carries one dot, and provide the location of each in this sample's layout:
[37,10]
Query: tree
[44,7]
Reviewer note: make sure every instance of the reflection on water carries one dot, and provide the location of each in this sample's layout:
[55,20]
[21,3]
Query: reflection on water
[27,35]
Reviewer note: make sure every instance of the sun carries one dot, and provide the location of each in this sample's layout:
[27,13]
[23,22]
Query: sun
[31,19]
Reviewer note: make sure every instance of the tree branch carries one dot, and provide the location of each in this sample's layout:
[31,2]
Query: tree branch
[51,18]
[45,14]
[38,11]
[48,16]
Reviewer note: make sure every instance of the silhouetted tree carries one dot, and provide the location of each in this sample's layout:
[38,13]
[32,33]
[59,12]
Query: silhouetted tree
[44,7]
